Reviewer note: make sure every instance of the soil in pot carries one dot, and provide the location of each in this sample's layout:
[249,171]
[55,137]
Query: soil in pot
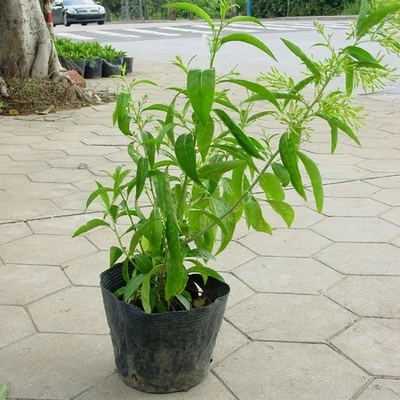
[168,352]
[111,68]
[93,69]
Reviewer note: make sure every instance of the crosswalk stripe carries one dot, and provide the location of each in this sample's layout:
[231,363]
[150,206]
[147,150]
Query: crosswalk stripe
[146,31]
[170,28]
[115,34]
[74,36]
[248,26]
[230,29]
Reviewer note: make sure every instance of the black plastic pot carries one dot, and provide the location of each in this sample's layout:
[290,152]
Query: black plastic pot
[128,61]
[162,353]
[79,66]
[93,69]
[111,68]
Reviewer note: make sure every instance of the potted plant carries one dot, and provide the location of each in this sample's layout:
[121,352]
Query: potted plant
[196,173]
[112,61]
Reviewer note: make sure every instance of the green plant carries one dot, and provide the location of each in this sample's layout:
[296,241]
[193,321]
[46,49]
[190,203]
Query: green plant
[196,169]
[3,391]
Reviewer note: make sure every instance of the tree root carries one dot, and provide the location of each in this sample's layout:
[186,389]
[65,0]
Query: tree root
[3,88]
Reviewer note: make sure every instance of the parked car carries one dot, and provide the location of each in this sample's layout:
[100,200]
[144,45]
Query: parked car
[69,12]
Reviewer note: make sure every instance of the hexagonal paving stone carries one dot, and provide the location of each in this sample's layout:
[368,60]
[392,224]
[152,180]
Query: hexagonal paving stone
[76,202]
[342,172]
[353,207]
[73,310]
[15,325]
[393,215]
[113,388]
[388,196]
[10,232]
[388,166]
[300,318]
[33,282]
[60,175]
[45,249]
[287,275]
[239,290]
[9,181]
[86,270]
[349,189]
[233,256]
[290,371]
[21,167]
[285,243]
[352,229]
[374,344]
[77,161]
[381,389]
[390,182]
[42,190]
[378,154]
[370,296]
[15,209]
[362,258]
[55,366]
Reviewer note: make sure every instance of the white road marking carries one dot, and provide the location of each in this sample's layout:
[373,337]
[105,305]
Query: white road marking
[146,31]
[230,29]
[73,36]
[115,34]
[254,26]
[170,28]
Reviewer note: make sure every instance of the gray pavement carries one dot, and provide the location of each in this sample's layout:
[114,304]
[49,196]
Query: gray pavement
[313,312]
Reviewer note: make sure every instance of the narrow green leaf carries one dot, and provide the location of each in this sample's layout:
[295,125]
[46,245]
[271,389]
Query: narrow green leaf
[364,4]
[192,8]
[245,18]
[299,87]
[3,391]
[121,113]
[258,115]
[363,64]
[143,263]
[311,65]
[115,254]
[349,81]
[200,89]
[184,301]
[166,130]
[315,178]
[149,144]
[205,271]
[125,270]
[104,195]
[141,175]
[186,155]
[136,237]
[284,210]
[249,39]
[272,187]
[334,138]
[93,223]
[157,107]
[254,216]
[216,169]
[132,286]
[229,221]
[360,54]
[242,139]
[145,294]
[98,192]
[176,272]
[204,136]
[281,173]
[154,235]
[287,151]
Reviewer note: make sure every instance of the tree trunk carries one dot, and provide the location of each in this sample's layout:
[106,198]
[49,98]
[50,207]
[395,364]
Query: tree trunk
[26,48]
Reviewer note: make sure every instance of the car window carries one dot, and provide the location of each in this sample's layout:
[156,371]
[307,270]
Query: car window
[79,2]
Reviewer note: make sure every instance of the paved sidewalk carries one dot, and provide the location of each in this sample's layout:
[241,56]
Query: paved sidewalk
[314,312]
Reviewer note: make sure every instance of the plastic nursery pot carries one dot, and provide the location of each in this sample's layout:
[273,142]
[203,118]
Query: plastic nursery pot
[162,353]
[128,61]
[93,69]
[79,66]
[111,68]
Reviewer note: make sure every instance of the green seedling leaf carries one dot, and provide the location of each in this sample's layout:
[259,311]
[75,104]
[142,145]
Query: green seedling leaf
[145,294]
[98,192]
[311,65]
[137,236]
[115,254]
[249,39]
[349,81]
[3,391]
[157,107]
[176,272]
[242,139]
[204,136]
[299,87]
[360,54]
[201,89]
[245,18]
[334,138]
[192,8]
[142,173]
[93,223]
[254,216]
[149,144]
[363,64]
[362,14]
[287,151]
[186,155]
[125,270]
[284,210]
[205,271]
[184,301]
[272,187]
[216,169]
[143,263]
[154,236]
[121,112]
[133,285]
[315,178]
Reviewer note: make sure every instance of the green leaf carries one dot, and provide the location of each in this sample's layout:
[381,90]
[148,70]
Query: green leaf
[157,107]
[364,4]
[132,286]
[333,121]
[154,236]
[215,169]
[186,154]
[284,210]
[149,144]
[200,89]
[93,223]
[249,39]
[311,65]
[125,270]
[242,139]
[205,271]
[138,235]
[192,8]
[166,130]
[287,151]
[141,175]
[3,391]
[145,294]
[176,272]
[115,254]
[299,87]
[363,64]
[245,18]
[254,216]
[349,81]
[221,206]
[360,54]
[121,113]
[98,192]
[272,187]
[204,136]
[315,178]
[185,302]
[143,263]
[334,138]
[375,18]
[262,91]
[281,173]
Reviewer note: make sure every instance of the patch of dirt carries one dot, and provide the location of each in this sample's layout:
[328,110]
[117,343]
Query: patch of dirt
[45,96]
